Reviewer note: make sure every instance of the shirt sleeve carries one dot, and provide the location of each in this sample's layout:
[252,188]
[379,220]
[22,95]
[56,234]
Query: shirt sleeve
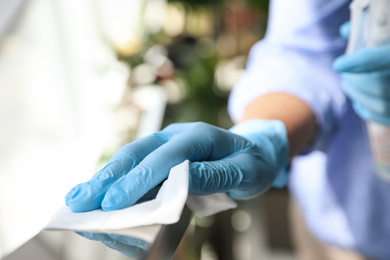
[296,57]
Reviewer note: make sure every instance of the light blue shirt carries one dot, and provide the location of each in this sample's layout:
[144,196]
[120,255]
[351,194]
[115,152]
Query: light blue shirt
[344,200]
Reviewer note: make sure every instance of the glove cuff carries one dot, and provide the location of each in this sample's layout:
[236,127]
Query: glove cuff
[276,133]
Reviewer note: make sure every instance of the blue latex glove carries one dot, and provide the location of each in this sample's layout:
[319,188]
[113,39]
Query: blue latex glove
[129,246]
[243,162]
[366,81]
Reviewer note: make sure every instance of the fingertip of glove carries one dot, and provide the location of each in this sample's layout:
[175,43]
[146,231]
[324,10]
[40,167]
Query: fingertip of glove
[76,208]
[345,29]
[81,206]
[72,195]
[68,196]
[106,206]
[83,198]
[339,65]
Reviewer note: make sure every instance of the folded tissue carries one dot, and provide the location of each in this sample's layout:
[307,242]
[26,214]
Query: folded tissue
[165,208]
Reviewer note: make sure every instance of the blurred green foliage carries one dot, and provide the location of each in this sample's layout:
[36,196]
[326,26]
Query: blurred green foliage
[204,100]
[202,103]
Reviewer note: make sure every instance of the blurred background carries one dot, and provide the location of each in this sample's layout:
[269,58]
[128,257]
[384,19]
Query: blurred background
[79,79]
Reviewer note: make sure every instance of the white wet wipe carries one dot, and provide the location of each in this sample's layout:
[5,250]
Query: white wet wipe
[165,208]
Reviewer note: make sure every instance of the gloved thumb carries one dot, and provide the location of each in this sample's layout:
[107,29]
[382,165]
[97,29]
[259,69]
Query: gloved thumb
[364,60]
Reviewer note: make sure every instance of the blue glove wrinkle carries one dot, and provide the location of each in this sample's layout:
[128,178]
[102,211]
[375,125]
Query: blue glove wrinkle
[200,148]
[227,174]
[69,195]
[205,142]
[121,163]
[129,189]
[86,197]
[259,182]
[267,165]
[244,174]
[212,177]
[125,192]
[163,137]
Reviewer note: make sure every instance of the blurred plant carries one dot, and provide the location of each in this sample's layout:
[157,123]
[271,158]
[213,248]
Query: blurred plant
[184,55]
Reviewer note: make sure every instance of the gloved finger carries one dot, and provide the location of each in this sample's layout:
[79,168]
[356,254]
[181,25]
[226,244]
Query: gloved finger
[200,142]
[372,103]
[376,84]
[364,60]
[234,174]
[89,195]
[367,114]
[345,29]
